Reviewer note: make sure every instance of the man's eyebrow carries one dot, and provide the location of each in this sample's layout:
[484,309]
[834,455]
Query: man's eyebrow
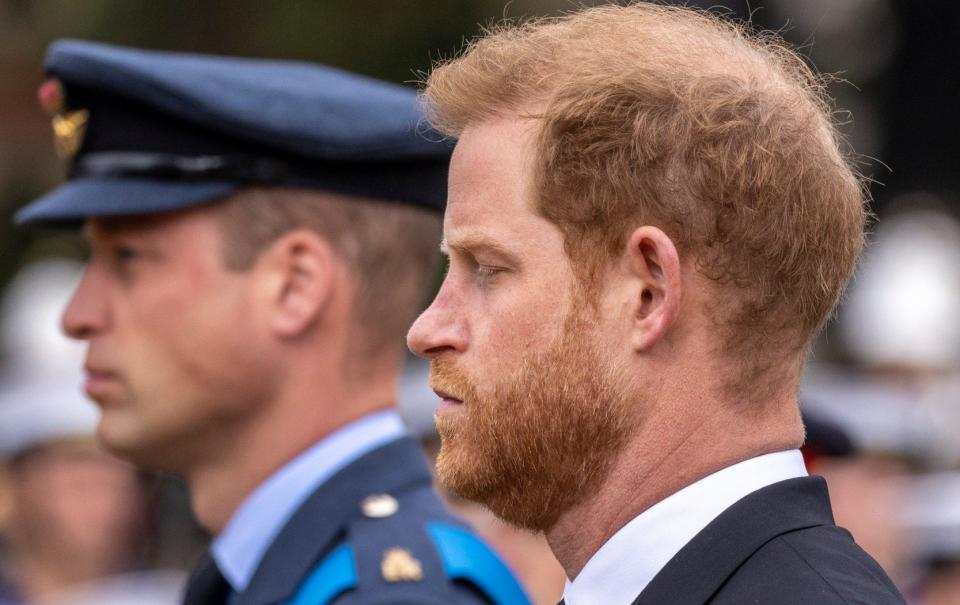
[107,227]
[476,243]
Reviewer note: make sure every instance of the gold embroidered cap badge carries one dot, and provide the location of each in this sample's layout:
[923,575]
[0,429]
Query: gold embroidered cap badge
[68,126]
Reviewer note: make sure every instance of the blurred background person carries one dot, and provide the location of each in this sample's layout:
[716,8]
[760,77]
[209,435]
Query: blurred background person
[891,380]
[931,520]
[75,521]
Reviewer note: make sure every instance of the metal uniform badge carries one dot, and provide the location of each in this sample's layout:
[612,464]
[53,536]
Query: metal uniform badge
[399,565]
[379,506]
[68,126]
[68,131]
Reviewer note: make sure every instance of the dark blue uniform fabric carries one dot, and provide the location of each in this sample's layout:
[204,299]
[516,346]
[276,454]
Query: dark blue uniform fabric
[776,546]
[331,548]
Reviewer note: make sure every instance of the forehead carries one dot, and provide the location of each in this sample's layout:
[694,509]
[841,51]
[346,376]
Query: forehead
[491,195]
[159,226]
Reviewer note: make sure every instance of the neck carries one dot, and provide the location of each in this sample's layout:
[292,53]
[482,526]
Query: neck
[659,461]
[303,414]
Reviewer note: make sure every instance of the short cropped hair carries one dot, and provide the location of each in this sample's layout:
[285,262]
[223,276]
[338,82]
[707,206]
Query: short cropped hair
[391,249]
[688,121]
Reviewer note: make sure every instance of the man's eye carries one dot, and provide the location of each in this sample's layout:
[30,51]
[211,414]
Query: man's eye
[486,272]
[124,254]
[124,258]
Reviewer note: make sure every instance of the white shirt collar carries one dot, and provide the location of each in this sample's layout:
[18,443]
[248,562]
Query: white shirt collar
[256,523]
[629,560]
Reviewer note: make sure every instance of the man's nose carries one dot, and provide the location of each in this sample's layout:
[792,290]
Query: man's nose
[440,328]
[85,314]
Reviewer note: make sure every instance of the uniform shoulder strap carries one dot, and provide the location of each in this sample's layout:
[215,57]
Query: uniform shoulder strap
[336,574]
[467,558]
[395,551]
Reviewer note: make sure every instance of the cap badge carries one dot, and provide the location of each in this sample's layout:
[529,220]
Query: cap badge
[68,126]
[399,565]
[379,506]
[68,131]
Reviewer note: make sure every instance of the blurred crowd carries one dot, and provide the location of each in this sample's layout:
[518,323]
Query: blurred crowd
[894,388]
[78,526]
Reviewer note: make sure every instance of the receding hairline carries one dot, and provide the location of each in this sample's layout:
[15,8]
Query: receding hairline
[705,31]
[683,119]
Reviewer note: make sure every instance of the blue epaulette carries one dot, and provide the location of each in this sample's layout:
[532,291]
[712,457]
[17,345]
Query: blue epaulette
[466,558]
[412,557]
[335,575]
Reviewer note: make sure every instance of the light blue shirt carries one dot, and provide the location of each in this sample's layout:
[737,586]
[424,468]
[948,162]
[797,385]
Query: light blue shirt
[254,526]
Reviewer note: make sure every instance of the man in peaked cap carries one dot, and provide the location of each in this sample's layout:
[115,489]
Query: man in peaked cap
[260,236]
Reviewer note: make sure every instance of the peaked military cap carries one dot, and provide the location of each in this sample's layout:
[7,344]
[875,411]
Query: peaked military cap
[147,131]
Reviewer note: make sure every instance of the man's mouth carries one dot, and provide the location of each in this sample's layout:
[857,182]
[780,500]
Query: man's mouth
[447,401]
[99,382]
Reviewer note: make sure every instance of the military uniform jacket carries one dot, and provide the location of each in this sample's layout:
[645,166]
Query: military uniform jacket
[333,550]
[776,546]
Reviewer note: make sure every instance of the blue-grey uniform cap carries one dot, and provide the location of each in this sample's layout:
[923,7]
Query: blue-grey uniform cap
[149,131]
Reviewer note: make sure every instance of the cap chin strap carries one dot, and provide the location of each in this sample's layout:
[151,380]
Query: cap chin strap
[168,166]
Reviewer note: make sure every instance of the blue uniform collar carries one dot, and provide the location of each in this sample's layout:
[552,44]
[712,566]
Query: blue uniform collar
[239,549]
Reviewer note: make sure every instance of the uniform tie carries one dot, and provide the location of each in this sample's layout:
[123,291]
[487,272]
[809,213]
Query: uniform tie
[206,585]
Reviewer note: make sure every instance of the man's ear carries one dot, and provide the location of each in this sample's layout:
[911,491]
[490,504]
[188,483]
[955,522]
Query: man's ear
[300,273]
[654,262]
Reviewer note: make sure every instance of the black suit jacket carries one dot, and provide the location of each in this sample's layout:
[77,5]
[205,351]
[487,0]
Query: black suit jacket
[332,520]
[776,546]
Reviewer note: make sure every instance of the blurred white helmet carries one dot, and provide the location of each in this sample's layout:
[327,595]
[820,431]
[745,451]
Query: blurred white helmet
[40,384]
[902,307]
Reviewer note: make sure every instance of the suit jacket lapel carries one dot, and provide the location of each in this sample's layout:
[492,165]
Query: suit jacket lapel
[318,525]
[701,567]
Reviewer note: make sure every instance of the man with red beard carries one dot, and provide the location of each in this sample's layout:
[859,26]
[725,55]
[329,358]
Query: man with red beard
[649,218]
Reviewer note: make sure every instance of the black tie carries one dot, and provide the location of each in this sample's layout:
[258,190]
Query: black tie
[206,585]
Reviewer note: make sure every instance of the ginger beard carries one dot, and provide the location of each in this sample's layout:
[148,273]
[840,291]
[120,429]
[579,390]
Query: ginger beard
[542,435]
